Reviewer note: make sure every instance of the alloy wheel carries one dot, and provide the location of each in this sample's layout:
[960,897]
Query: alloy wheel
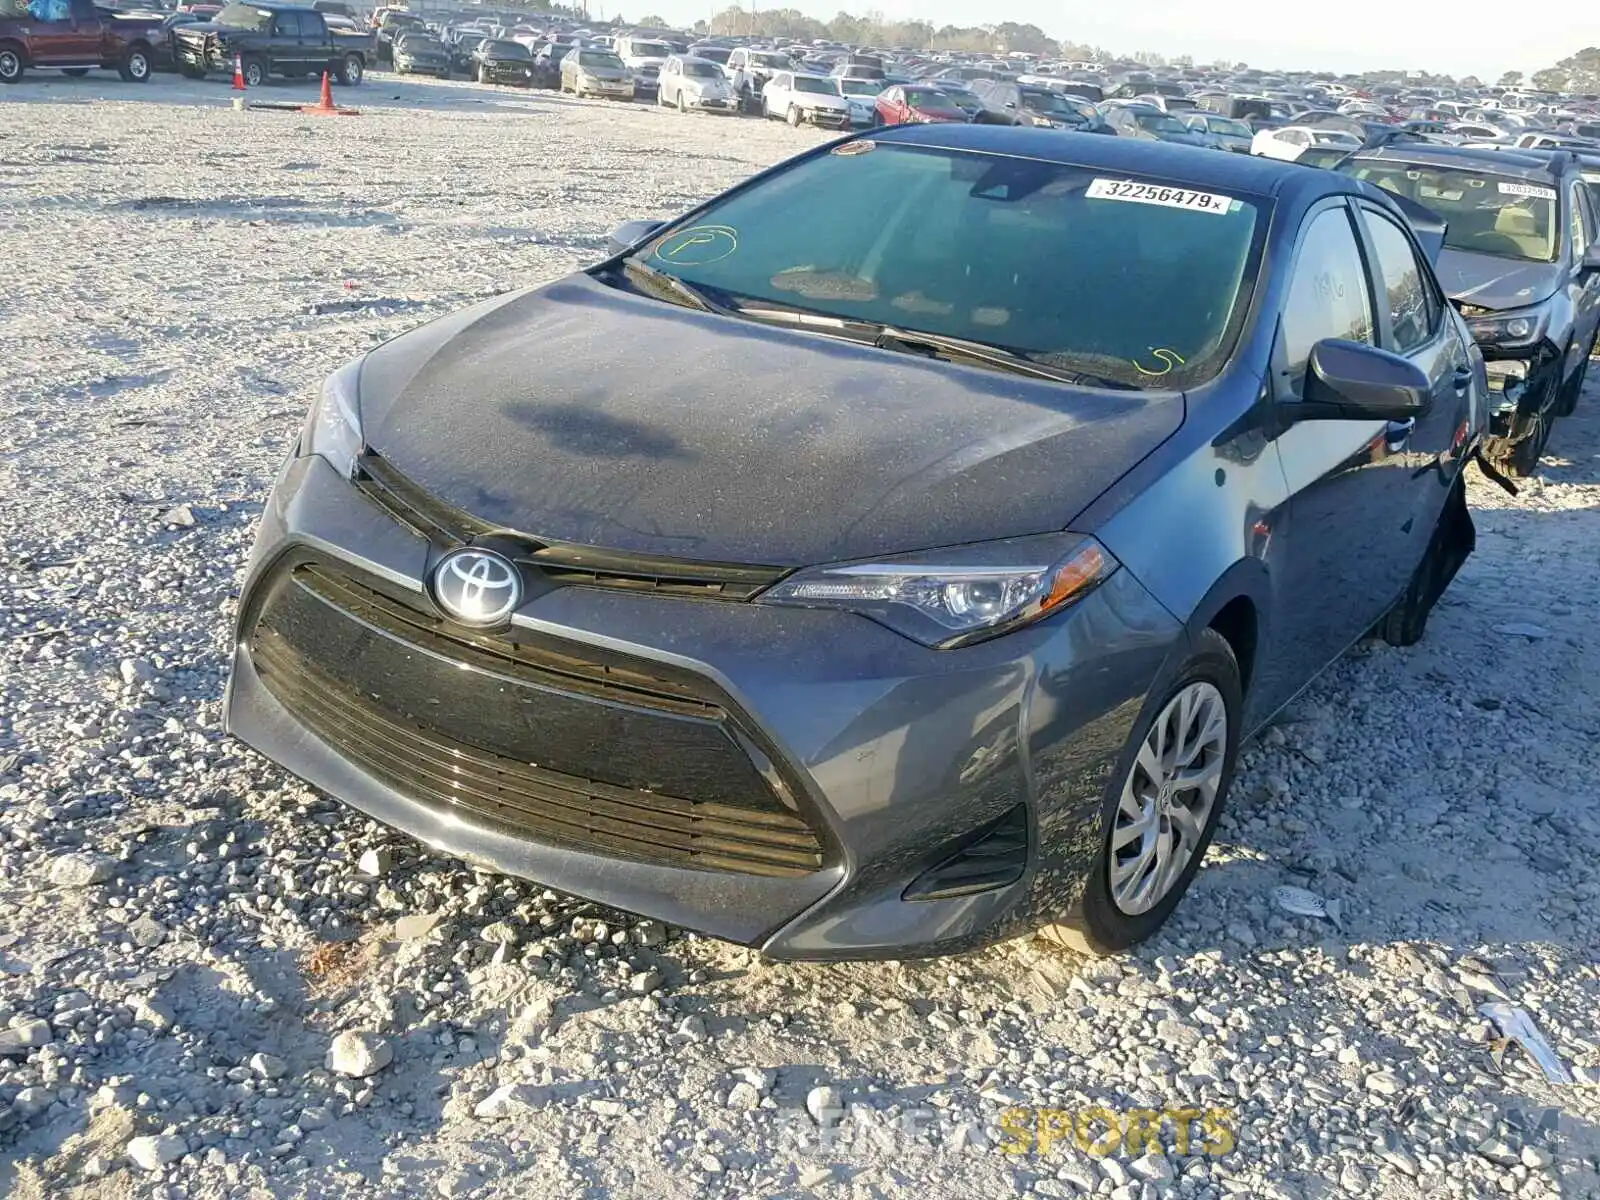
[10,65]
[1167,798]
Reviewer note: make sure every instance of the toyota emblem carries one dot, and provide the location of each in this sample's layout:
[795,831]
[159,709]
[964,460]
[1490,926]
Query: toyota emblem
[477,587]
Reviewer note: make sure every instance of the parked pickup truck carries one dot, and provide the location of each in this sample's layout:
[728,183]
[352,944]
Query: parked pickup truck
[270,39]
[78,37]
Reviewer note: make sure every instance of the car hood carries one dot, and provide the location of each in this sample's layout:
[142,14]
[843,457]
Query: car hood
[581,413]
[1490,281]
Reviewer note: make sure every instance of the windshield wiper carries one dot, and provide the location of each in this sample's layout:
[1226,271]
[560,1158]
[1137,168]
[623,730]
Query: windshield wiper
[686,293]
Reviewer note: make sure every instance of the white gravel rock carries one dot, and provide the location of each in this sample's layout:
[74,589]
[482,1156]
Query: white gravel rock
[356,1054]
[79,870]
[154,1152]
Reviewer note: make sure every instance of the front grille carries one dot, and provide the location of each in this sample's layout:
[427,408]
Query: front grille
[560,563]
[546,740]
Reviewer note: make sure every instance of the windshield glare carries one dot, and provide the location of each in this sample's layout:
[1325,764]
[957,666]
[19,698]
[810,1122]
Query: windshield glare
[1485,214]
[1008,252]
[245,16]
[1159,123]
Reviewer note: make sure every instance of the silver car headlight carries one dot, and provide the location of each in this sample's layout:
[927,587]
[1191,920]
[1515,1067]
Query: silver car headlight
[954,597]
[1523,327]
[333,426]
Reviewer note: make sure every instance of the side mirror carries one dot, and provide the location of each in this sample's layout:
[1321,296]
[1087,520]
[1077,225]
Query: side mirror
[1357,382]
[629,234]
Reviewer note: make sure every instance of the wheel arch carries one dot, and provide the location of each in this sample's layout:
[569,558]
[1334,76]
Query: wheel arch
[1236,607]
[8,43]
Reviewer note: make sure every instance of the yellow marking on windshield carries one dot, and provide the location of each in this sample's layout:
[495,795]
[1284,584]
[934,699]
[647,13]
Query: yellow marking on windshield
[1169,359]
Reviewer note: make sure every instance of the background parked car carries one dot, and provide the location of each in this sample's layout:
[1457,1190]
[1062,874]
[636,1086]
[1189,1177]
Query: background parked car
[862,97]
[688,83]
[421,54]
[644,57]
[1521,260]
[1222,132]
[596,72]
[806,99]
[1287,144]
[270,39]
[1016,104]
[500,60]
[89,37]
[915,104]
[1150,124]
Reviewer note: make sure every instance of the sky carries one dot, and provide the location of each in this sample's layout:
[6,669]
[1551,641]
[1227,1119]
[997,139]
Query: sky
[1458,37]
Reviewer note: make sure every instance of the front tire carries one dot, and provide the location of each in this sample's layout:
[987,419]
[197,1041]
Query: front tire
[793,117]
[11,66]
[1162,808]
[351,71]
[255,72]
[683,106]
[135,66]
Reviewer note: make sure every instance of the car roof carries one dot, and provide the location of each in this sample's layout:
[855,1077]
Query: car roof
[1199,166]
[1511,162]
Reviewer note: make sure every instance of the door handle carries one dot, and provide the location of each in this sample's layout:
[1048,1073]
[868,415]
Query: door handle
[1398,433]
[1463,378]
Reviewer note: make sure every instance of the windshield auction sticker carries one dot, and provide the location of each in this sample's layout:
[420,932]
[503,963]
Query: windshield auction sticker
[1527,189]
[1166,197]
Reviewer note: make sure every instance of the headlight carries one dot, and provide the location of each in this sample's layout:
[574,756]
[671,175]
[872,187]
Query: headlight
[1523,327]
[949,598]
[333,426]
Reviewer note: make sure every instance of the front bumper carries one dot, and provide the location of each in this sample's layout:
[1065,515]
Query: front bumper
[892,755]
[514,76]
[406,66]
[701,103]
[825,118]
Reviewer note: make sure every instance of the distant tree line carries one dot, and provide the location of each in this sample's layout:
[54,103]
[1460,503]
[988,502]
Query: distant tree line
[875,30]
[1580,73]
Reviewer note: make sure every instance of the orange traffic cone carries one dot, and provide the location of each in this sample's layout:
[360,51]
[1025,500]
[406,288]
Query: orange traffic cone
[325,107]
[326,103]
[238,73]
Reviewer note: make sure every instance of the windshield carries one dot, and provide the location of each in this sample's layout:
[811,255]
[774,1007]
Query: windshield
[818,87]
[773,62]
[928,98]
[415,43]
[599,58]
[1043,100]
[649,49]
[702,70]
[245,16]
[1486,214]
[1159,123]
[1036,257]
[860,87]
[506,50]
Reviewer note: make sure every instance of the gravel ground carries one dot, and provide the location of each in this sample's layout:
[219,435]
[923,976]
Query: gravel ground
[201,960]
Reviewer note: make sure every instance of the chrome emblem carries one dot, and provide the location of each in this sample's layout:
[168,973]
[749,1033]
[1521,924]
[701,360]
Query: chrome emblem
[477,587]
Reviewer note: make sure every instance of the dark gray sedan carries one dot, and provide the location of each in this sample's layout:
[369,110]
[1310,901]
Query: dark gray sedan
[884,582]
